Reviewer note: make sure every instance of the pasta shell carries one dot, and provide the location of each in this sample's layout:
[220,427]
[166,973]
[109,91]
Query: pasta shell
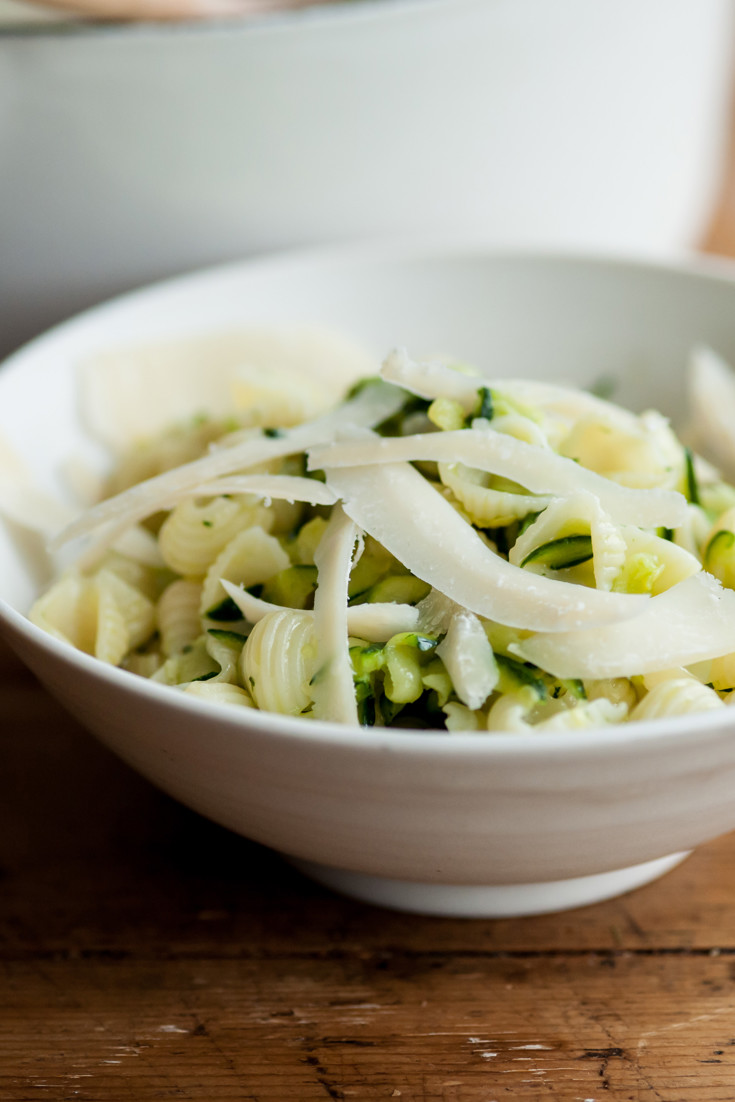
[177,615]
[487,507]
[676,697]
[252,556]
[219,692]
[278,660]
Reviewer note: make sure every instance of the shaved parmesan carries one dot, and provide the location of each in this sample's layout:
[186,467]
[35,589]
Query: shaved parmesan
[376,622]
[371,406]
[469,659]
[400,509]
[436,612]
[435,379]
[332,683]
[692,622]
[275,486]
[538,469]
[380,621]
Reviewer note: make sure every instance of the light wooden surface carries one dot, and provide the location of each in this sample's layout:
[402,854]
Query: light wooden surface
[148,955]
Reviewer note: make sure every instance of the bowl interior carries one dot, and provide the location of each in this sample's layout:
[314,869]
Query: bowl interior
[575,320]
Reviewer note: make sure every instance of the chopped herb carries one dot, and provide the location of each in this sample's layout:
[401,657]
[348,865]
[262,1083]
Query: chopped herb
[207,523]
[205,676]
[273,433]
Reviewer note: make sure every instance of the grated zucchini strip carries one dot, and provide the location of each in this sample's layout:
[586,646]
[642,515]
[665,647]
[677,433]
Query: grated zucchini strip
[608,545]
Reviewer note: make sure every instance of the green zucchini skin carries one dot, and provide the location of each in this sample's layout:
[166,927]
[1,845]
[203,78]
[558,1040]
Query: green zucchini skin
[562,552]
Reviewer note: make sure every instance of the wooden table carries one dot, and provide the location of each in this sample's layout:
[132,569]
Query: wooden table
[149,955]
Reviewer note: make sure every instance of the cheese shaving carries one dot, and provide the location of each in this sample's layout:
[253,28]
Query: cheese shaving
[377,622]
[692,622]
[538,469]
[332,686]
[400,509]
[371,406]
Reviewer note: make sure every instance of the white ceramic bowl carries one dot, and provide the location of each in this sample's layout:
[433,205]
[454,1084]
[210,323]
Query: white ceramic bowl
[130,153]
[451,824]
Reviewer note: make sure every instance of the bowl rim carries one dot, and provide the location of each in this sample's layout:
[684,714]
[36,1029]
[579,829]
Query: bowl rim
[398,248]
[591,742]
[322,13]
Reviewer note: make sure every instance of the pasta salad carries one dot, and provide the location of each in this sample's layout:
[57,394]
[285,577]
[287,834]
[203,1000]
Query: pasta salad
[436,551]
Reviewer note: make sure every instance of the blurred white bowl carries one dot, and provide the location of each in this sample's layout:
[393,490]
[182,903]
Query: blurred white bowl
[452,824]
[132,152]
